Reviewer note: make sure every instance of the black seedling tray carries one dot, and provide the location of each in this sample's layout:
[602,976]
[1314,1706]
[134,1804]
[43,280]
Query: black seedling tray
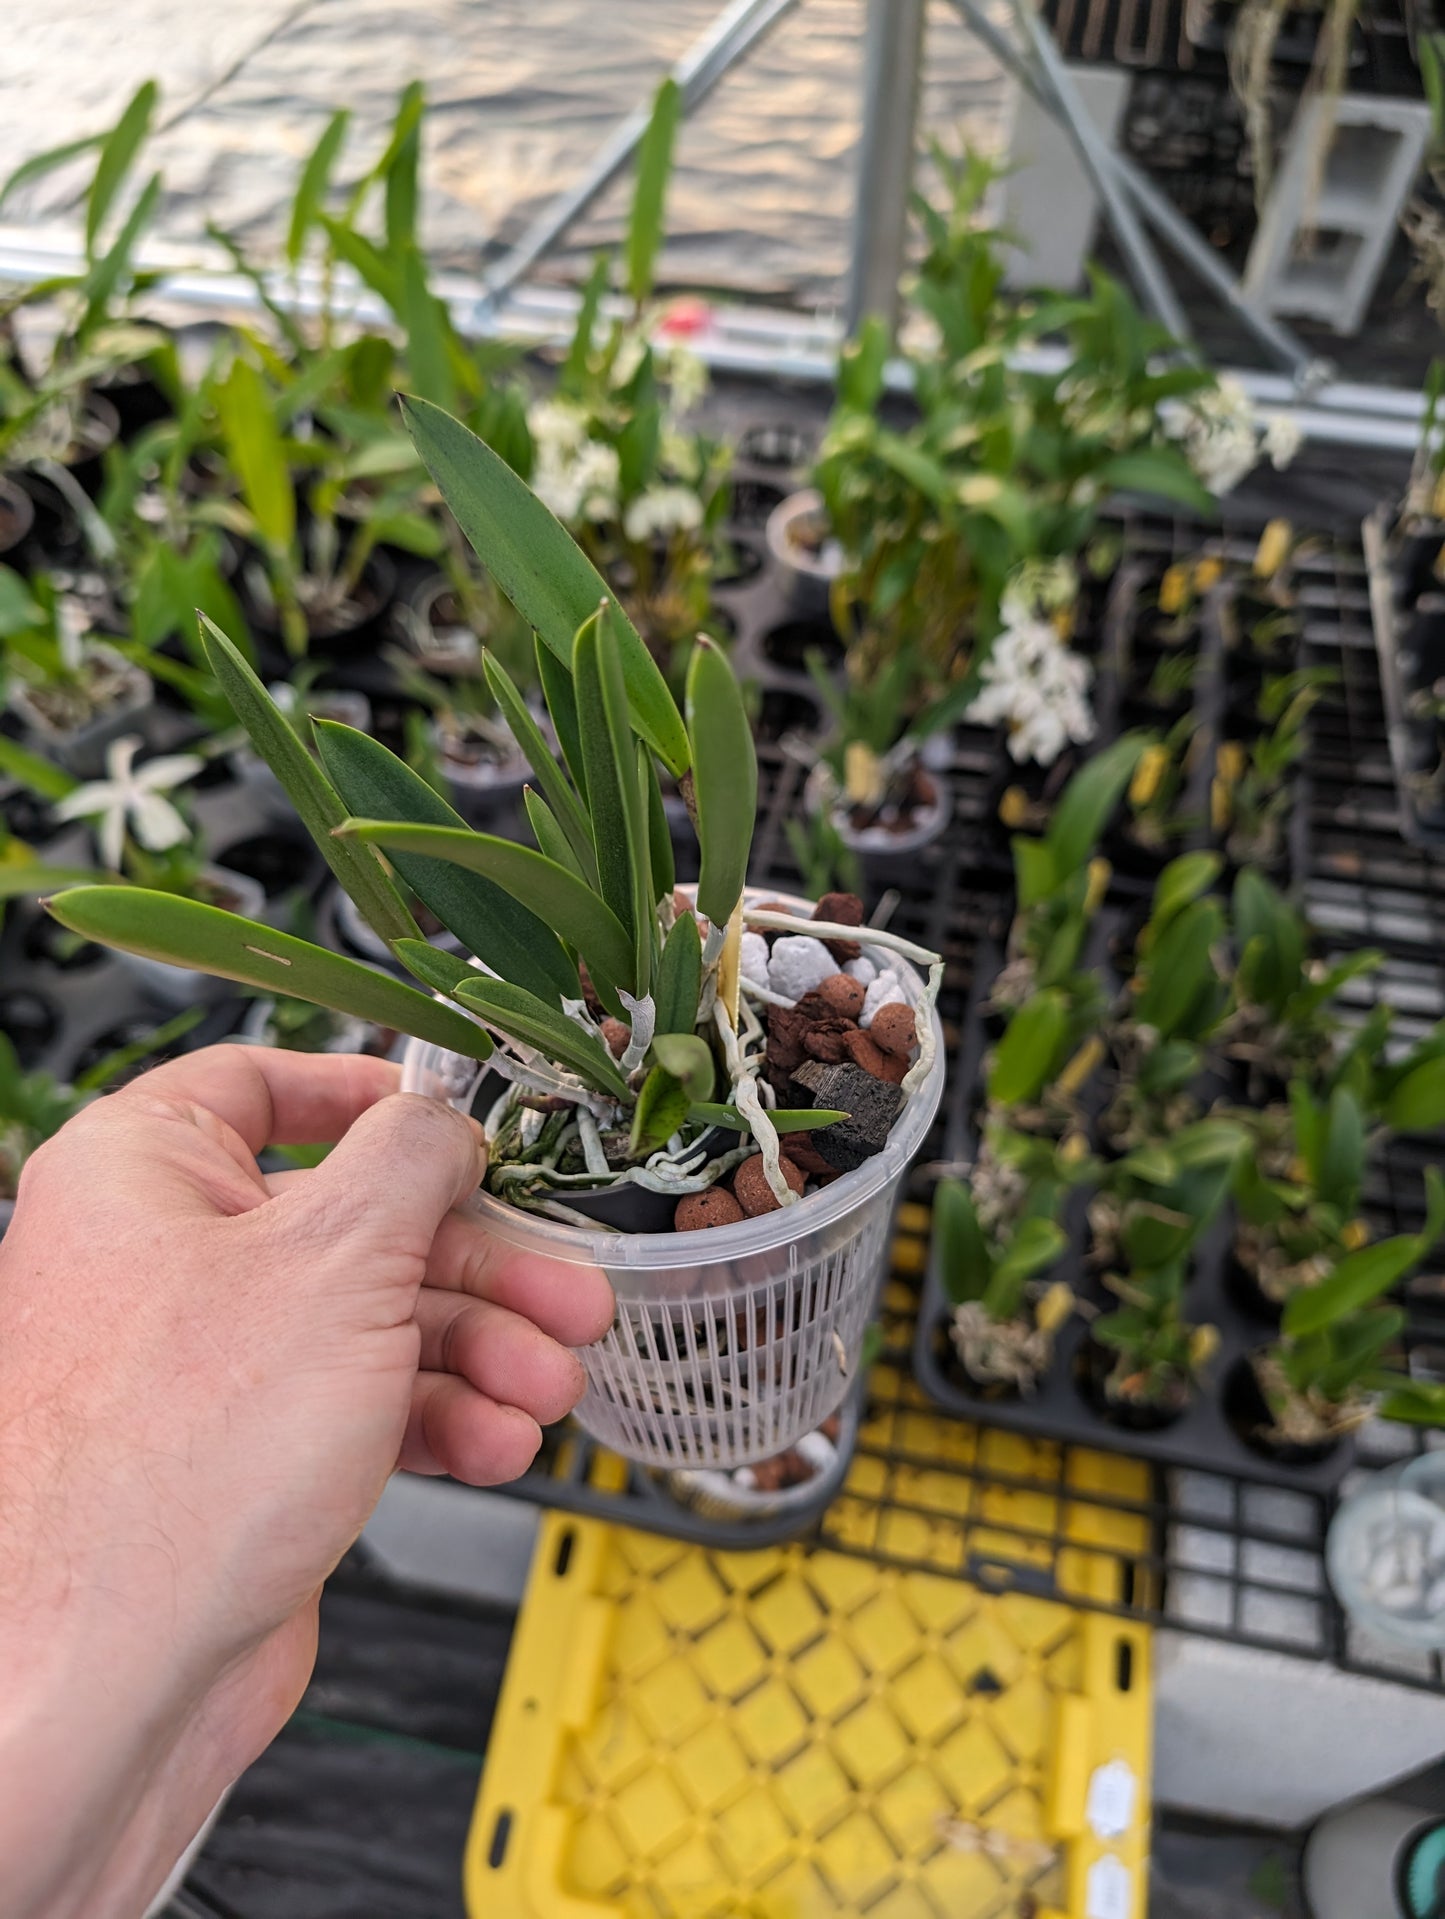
[1202,1437]
[1410,642]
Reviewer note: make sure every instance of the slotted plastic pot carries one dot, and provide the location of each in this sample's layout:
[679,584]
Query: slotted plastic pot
[728,1344]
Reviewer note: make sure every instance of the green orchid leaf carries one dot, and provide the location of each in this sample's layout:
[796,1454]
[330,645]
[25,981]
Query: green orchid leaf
[1417,1103]
[662,1107]
[118,153]
[316,800]
[442,972]
[679,977]
[34,772]
[27,879]
[1025,1058]
[548,834]
[257,454]
[562,901]
[1358,1280]
[182,932]
[489,919]
[428,329]
[1415,1402]
[39,164]
[107,272]
[1087,803]
[688,1057]
[559,796]
[1342,1161]
[522,1016]
[315,182]
[646,225]
[1182,882]
[659,833]
[555,679]
[960,1249]
[1036,1245]
[542,571]
[366,260]
[792,1119]
[618,833]
[725,779]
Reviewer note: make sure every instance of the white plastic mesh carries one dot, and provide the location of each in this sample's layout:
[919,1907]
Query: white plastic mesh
[743,1372]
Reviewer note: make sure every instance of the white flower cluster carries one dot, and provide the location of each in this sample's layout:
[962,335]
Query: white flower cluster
[661,511]
[1224,440]
[573,474]
[1035,686]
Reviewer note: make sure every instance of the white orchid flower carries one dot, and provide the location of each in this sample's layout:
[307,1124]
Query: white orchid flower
[134,800]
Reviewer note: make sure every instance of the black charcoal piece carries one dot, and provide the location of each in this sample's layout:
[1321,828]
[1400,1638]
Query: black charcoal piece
[871,1105]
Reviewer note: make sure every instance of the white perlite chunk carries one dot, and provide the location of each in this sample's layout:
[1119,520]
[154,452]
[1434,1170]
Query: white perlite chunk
[753,959]
[797,965]
[884,991]
[862,969]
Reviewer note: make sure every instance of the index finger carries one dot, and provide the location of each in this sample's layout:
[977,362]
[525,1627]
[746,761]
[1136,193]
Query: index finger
[270,1097]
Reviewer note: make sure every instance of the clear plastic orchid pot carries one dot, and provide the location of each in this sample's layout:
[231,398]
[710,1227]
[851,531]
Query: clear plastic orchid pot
[728,1344]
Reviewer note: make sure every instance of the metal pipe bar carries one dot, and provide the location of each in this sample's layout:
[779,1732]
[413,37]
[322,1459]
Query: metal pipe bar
[754,342]
[1143,263]
[1165,218]
[892,65]
[734,32]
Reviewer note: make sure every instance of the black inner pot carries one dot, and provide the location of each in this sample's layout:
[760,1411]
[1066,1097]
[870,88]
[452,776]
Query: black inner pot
[1247,1294]
[1247,1411]
[1091,1370]
[628,1208]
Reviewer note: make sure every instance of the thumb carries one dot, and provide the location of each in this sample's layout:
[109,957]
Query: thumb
[391,1180]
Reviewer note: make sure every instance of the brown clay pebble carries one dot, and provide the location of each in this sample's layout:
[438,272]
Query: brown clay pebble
[831,1426]
[750,1183]
[829,1039]
[861,1050]
[895,1029]
[802,1152]
[616,1035]
[843,996]
[715,1207]
[843,909]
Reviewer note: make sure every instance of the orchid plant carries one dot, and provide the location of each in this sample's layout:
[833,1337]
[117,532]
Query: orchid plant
[1002,467]
[58,673]
[997,1237]
[1149,1214]
[1329,1372]
[611,1011]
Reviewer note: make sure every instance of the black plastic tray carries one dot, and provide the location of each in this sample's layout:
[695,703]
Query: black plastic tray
[1202,1437]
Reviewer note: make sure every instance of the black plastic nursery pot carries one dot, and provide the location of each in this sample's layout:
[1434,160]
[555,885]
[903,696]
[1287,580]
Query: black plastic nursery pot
[1247,1411]
[138,398]
[350,632]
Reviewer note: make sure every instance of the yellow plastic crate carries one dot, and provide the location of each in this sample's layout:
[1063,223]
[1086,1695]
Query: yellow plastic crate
[794,1733]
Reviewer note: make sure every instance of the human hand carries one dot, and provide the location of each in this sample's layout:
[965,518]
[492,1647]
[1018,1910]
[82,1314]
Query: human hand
[205,1379]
